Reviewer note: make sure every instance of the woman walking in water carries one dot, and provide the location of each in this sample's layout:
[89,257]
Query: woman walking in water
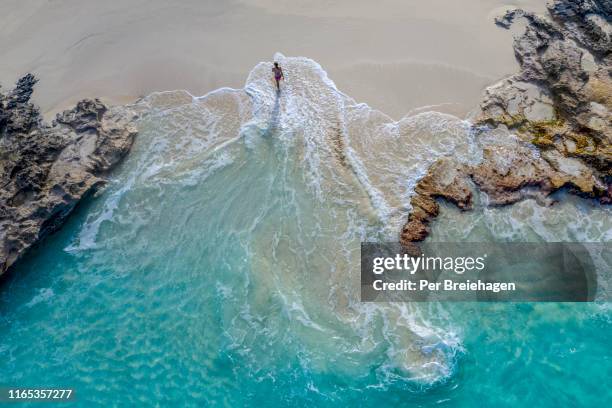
[278,74]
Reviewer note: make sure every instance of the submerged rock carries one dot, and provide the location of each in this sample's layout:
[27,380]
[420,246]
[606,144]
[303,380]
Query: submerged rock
[548,126]
[45,170]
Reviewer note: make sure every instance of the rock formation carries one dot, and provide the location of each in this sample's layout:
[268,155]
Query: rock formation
[46,169]
[547,127]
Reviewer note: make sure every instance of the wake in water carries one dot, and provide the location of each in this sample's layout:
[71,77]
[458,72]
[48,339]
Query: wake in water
[269,197]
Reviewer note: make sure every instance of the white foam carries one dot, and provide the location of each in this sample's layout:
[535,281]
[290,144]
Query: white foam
[360,168]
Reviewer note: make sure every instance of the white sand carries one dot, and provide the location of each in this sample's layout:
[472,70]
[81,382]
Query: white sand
[396,55]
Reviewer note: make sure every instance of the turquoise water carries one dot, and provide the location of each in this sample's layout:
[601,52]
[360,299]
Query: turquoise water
[220,267]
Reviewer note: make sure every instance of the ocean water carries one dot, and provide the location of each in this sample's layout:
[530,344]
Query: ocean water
[220,267]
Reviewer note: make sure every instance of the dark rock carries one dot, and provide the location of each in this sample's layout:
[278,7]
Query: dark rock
[586,21]
[45,170]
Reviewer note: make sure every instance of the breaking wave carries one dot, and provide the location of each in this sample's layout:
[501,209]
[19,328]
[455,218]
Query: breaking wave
[268,196]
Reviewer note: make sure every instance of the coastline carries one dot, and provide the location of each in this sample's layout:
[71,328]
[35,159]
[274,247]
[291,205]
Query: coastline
[120,50]
[220,263]
[543,129]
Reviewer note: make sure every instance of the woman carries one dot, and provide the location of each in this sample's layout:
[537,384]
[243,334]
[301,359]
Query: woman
[278,74]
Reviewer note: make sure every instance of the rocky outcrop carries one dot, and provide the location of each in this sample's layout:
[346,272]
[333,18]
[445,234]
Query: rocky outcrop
[547,127]
[445,179]
[46,169]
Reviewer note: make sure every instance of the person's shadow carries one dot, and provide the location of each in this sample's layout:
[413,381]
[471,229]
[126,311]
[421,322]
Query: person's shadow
[274,117]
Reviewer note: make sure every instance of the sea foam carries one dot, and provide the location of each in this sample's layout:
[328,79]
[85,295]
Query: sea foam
[292,182]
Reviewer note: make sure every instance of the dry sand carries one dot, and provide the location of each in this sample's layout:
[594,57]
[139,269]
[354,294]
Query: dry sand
[395,55]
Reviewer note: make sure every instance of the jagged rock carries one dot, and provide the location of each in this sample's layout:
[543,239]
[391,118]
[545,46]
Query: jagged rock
[45,170]
[568,60]
[560,108]
[513,171]
[587,21]
[445,179]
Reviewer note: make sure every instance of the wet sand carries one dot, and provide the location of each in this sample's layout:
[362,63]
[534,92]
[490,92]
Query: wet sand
[395,55]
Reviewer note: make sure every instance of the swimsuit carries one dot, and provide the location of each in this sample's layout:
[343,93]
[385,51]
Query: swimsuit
[277,73]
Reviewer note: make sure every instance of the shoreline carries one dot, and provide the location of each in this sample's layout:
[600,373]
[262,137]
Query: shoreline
[395,57]
[543,129]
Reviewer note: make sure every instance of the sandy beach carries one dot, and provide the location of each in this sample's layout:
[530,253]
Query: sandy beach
[397,56]
[411,219]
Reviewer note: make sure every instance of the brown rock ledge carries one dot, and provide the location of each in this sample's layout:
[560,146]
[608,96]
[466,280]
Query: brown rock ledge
[547,127]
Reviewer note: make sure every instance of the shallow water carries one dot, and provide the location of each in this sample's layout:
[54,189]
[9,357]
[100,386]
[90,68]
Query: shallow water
[220,267]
